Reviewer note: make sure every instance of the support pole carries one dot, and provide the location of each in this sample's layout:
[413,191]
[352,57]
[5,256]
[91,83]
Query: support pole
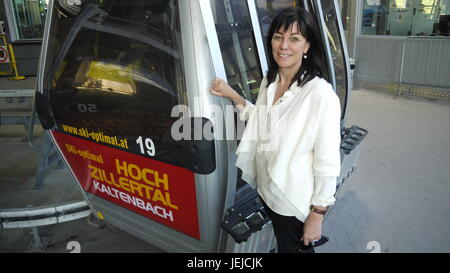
[38,243]
[13,63]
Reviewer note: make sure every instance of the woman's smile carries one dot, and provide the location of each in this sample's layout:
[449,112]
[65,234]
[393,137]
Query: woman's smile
[288,47]
[284,55]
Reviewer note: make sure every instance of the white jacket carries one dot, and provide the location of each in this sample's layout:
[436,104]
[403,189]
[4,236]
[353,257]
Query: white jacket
[301,142]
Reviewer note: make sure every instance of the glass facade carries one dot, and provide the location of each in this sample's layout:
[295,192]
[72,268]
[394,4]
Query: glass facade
[406,17]
[29,18]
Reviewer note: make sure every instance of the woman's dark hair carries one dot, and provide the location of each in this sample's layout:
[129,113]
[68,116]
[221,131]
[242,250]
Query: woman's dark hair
[314,64]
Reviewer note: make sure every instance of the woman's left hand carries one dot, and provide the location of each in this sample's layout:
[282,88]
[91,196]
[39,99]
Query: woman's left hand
[312,229]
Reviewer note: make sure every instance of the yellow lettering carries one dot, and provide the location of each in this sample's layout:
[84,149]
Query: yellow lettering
[93,172]
[124,183]
[147,191]
[144,176]
[170,202]
[124,143]
[121,168]
[136,169]
[105,179]
[136,187]
[165,181]
[157,196]
[69,148]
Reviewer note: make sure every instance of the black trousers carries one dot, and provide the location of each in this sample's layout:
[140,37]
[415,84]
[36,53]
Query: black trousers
[288,232]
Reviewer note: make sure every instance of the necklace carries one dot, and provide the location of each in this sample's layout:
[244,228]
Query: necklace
[302,77]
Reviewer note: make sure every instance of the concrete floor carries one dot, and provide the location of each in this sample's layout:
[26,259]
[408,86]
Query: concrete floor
[18,173]
[27,83]
[398,200]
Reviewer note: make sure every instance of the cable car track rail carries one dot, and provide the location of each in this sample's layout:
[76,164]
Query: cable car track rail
[43,215]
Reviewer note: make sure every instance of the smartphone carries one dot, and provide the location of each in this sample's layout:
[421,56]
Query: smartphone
[321,241]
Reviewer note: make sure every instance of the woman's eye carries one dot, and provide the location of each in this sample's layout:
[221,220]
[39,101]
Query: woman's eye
[277,37]
[295,39]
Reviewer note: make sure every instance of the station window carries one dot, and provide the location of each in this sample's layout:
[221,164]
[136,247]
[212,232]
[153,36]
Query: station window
[27,18]
[406,17]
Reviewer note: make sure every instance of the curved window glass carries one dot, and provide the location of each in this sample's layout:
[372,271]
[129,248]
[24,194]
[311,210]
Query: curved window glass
[237,43]
[129,88]
[336,49]
[119,70]
[114,72]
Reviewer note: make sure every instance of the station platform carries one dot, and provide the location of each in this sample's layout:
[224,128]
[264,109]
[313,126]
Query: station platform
[398,199]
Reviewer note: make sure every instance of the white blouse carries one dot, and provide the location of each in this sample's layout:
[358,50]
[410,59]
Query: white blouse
[290,150]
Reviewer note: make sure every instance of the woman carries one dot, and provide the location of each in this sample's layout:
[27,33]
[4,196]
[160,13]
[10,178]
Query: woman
[290,147]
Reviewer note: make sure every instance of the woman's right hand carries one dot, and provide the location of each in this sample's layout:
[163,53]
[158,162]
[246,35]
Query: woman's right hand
[220,88]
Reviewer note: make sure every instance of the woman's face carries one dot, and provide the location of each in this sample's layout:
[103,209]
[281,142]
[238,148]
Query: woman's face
[288,47]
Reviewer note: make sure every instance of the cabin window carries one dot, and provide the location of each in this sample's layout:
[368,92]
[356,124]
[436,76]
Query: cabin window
[237,43]
[121,73]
